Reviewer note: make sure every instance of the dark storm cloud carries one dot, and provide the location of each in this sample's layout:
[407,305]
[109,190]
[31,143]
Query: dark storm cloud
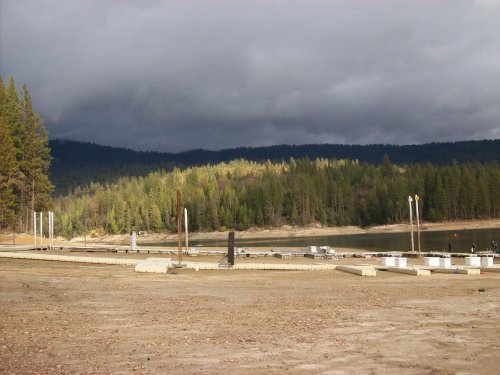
[176,75]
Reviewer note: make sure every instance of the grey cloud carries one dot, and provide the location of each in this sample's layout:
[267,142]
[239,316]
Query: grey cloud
[178,75]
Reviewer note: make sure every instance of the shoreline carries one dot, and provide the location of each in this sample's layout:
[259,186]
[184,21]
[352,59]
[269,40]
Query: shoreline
[291,232]
[285,231]
[317,231]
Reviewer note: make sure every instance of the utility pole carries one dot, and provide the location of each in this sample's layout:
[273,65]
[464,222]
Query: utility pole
[410,200]
[417,198]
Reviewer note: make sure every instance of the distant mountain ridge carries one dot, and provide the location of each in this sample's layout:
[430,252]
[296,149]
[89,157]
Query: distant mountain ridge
[75,163]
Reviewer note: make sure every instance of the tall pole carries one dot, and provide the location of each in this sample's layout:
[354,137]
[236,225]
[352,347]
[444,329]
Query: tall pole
[417,198]
[410,200]
[179,221]
[48,223]
[41,228]
[34,227]
[52,228]
[14,231]
[186,227]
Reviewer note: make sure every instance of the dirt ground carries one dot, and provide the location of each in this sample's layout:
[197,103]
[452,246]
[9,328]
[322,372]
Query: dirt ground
[62,318]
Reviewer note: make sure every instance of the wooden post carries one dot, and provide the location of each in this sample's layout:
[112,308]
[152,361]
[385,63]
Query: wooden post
[230,248]
[179,223]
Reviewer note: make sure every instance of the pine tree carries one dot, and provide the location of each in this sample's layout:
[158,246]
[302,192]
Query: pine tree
[34,160]
[9,176]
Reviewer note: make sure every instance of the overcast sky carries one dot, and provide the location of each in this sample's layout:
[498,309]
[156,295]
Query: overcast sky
[174,75]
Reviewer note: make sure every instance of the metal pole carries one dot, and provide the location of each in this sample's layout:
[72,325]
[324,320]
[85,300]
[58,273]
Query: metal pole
[52,227]
[48,224]
[410,200]
[179,236]
[186,227]
[41,228]
[34,227]
[417,198]
[50,230]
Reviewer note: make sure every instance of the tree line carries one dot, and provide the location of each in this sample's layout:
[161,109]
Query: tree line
[79,163]
[24,159]
[242,194]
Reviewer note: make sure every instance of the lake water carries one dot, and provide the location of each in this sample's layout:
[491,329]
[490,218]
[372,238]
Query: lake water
[461,241]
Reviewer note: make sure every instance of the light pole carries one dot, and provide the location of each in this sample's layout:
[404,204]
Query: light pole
[410,200]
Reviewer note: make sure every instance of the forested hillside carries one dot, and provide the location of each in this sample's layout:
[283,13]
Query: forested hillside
[79,163]
[24,159]
[241,194]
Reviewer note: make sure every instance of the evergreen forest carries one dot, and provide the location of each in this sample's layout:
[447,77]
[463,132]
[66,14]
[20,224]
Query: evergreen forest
[24,159]
[242,194]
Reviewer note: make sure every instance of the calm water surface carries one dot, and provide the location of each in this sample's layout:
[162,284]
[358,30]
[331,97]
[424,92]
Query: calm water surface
[461,241]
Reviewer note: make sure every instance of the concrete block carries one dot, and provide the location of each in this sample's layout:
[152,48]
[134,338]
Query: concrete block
[445,262]
[487,262]
[155,265]
[431,261]
[473,261]
[400,262]
[388,262]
